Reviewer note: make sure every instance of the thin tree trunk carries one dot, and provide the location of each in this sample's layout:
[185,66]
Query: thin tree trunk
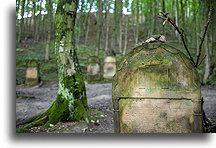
[81,19]
[154,17]
[120,26]
[126,34]
[206,45]
[34,18]
[164,10]
[38,22]
[207,62]
[17,21]
[137,23]
[87,21]
[213,34]
[49,27]
[107,26]
[21,26]
[99,26]
[182,13]
[176,15]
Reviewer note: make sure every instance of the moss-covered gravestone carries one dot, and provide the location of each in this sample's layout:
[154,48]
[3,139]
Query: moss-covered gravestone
[157,90]
[32,73]
[93,69]
[109,68]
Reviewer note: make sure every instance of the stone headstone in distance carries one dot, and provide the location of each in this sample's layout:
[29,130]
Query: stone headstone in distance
[32,73]
[93,69]
[109,68]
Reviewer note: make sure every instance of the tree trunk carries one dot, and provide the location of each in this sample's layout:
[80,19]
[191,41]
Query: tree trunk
[107,26]
[38,22]
[99,26]
[207,62]
[213,34]
[206,46]
[49,27]
[71,101]
[164,10]
[126,34]
[21,26]
[116,27]
[87,20]
[34,18]
[182,13]
[137,23]
[81,19]
[126,28]
[120,26]
[175,3]
[71,88]
[17,21]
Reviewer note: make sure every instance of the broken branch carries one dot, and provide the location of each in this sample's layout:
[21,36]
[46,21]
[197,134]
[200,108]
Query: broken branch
[203,38]
[181,33]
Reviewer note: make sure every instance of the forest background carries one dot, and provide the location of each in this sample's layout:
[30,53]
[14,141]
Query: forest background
[104,27]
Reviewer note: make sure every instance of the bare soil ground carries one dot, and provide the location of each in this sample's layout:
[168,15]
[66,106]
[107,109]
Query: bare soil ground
[31,101]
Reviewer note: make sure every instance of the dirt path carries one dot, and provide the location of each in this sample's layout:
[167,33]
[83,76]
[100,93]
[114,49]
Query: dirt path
[31,101]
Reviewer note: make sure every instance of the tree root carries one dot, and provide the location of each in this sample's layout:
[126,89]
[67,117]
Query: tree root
[38,122]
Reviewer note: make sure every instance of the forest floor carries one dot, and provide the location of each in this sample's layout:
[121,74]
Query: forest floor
[31,101]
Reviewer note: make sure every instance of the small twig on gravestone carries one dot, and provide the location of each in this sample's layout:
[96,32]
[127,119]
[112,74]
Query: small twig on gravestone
[203,38]
[180,31]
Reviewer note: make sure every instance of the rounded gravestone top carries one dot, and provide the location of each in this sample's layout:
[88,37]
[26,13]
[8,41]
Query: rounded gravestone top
[155,69]
[94,59]
[109,59]
[32,63]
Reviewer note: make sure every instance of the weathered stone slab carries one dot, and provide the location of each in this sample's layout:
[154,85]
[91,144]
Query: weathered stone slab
[32,73]
[109,68]
[157,90]
[155,116]
[93,69]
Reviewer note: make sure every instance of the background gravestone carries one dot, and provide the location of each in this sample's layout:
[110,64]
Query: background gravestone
[109,68]
[32,73]
[93,69]
[157,90]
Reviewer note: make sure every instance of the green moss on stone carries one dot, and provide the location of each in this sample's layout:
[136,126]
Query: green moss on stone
[32,63]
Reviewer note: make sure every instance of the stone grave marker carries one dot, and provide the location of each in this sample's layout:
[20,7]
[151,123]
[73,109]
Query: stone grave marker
[109,68]
[157,90]
[93,69]
[32,73]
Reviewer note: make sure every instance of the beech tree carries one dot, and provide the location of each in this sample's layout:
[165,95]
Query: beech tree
[71,101]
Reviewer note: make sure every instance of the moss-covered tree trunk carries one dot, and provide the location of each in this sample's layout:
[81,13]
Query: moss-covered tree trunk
[71,101]
[71,88]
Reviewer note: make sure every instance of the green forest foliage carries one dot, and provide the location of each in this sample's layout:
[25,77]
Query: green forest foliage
[103,26]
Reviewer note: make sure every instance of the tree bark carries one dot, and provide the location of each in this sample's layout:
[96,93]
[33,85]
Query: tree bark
[213,33]
[137,23]
[87,20]
[206,46]
[126,29]
[49,27]
[107,26]
[21,26]
[126,34]
[71,101]
[120,26]
[99,26]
